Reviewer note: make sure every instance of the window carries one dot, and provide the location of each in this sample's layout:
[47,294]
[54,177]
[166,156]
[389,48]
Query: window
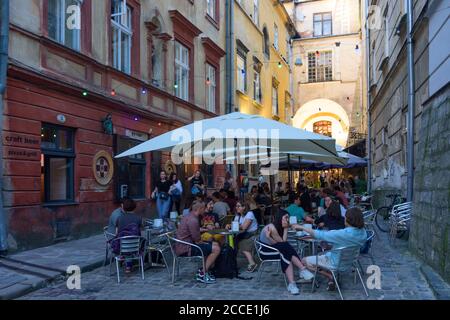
[208,170]
[211,8]
[275,106]
[256,11]
[60,15]
[275,40]
[322,24]
[257,86]
[181,71]
[266,46]
[211,88]
[320,66]
[324,128]
[57,159]
[121,15]
[129,172]
[241,76]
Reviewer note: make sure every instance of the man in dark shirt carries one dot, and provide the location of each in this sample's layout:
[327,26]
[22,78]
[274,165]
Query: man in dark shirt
[305,199]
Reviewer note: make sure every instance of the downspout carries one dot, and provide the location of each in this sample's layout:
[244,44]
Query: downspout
[229,55]
[369,118]
[4,41]
[411,100]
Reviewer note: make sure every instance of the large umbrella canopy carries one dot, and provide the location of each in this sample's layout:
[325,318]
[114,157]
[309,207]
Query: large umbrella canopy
[224,131]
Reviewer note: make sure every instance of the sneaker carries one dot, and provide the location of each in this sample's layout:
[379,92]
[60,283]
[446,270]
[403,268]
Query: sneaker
[201,277]
[292,288]
[306,275]
[252,267]
[331,286]
[210,278]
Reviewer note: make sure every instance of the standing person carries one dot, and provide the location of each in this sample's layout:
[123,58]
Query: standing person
[322,179]
[248,227]
[245,183]
[230,183]
[197,183]
[352,184]
[161,194]
[189,231]
[354,234]
[305,199]
[275,235]
[176,191]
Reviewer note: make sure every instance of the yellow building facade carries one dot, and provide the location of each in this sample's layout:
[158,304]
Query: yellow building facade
[262,73]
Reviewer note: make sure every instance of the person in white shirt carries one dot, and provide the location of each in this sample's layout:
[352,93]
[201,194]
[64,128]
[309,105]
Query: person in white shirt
[248,227]
[176,191]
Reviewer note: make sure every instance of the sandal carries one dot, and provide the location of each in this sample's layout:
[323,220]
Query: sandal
[252,268]
[331,286]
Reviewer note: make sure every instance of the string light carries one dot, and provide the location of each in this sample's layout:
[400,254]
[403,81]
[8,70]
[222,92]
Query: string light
[280,65]
[113,92]
[208,82]
[85,93]
[175,85]
[144,91]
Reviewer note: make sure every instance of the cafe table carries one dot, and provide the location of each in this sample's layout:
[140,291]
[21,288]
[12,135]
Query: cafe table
[229,235]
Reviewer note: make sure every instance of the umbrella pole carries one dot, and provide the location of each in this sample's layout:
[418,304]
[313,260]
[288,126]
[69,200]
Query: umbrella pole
[289,170]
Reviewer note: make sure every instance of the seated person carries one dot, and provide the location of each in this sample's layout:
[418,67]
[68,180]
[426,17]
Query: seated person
[248,227]
[296,210]
[229,198]
[115,215]
[332,219]
[354,234]
[220,208]
[210,221]
[275,235]
[189,231]
[128,224]
[341,196]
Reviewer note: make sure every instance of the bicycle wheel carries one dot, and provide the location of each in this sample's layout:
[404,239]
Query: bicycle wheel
[382,218]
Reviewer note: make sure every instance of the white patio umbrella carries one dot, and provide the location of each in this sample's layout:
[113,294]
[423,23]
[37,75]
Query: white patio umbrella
[235,127]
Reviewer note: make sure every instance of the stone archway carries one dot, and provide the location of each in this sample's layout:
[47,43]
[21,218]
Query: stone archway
[319,110]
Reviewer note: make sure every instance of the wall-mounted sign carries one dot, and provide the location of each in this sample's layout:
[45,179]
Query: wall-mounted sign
[136,135]
[103,168]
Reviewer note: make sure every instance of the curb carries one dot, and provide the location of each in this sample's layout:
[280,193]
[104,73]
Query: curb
[440,288]
[22,289]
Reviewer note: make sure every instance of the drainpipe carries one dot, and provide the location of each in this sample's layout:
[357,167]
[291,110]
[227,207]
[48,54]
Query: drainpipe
[411,99]
[369,118]
[229,55]
[4,41]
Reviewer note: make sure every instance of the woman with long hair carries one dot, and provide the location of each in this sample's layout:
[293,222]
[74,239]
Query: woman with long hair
[275,235]
[175,191]
[332,219]
[161,194]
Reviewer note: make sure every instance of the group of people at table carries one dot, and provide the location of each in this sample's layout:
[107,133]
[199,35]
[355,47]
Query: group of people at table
[335,225]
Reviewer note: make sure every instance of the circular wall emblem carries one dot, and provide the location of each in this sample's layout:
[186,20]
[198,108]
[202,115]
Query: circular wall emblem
[170,167]
[103,168]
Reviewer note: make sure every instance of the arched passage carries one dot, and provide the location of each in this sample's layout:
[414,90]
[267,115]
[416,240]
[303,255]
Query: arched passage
[324,110]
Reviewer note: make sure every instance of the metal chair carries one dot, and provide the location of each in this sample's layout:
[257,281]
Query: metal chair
[108,237]
[369,220]
[159,244]
[366,251]
[259,251]
[173,241]
[348,261]
[399,219]
[130,249]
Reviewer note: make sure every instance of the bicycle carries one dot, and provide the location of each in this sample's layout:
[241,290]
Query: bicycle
[383,214]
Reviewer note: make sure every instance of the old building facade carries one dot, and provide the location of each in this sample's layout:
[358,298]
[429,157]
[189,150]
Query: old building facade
[328,69]
[81,91]
[388,85]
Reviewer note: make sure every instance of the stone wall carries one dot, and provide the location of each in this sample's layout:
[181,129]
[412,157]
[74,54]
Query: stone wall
[430,226]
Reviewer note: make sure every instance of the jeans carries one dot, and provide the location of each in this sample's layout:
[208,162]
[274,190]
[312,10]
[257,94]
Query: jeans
[163,207]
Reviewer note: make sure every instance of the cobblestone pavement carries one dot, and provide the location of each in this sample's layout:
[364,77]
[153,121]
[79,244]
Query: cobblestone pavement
[401,279]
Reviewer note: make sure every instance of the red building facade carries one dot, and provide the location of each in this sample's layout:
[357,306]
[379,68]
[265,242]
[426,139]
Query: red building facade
[67,114]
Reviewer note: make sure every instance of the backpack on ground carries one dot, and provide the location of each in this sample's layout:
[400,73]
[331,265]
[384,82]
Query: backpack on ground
[226,264]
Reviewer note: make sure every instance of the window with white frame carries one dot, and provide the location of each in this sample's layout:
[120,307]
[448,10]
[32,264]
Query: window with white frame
[275,106]
[241,69]
[275,38]
[256,11]
[322,24]
[121,17]
[257,86]
[386,33]
[211,88]
[211,8]
[320,66]
[64,22]
[181,71]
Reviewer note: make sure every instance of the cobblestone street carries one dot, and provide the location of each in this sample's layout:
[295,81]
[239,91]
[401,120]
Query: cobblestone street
[401,279]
